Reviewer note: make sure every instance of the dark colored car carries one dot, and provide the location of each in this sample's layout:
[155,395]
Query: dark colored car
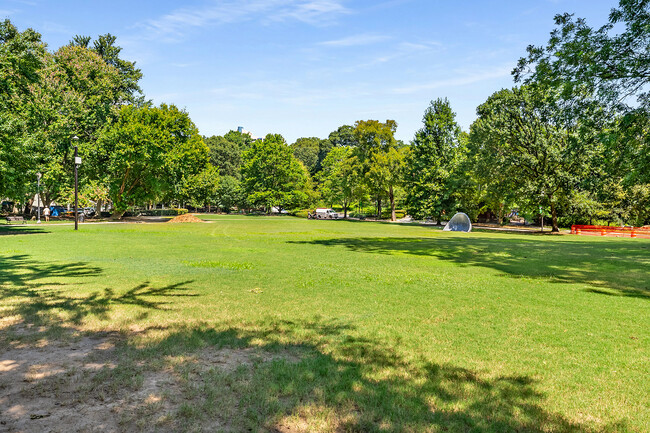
[70,214]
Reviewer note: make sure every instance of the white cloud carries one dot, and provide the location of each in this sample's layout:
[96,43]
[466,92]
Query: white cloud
[458,81]
[312,12]
[174,25]
[411,46]
[7,12]
[355,40]
[398,51]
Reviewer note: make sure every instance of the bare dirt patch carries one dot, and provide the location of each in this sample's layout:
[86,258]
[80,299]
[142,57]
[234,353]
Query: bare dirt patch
[90,383]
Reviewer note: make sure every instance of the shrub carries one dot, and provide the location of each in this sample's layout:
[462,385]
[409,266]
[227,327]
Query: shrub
[300,213]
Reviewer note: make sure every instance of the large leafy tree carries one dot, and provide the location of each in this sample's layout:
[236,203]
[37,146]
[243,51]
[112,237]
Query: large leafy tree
[311,151]
[22,56]
[225,155]
[306,150]
[481,183]
[152,150]
[609,65]
[343,137]
[76,97]
[518,133]
[435,153]
[229,194]
[73,91]
[105,47]
[272,176]
[385,175]
[377,152]
[583,60]
[342,178]
[243,139]
[201,188]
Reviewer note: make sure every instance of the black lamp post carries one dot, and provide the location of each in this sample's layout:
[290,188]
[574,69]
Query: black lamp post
[38,194]
[541,210]
[77,163]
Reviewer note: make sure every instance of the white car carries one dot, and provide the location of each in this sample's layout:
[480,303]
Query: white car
[323,213]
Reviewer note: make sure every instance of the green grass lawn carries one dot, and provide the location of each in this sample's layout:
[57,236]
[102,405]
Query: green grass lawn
[340,325]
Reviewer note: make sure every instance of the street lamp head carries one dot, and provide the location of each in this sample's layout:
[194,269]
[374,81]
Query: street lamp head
[77,159]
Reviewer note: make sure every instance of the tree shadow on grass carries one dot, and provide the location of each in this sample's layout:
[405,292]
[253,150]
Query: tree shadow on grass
[615,267]
[10,230]
[318,376]
[302,375]
[37,293]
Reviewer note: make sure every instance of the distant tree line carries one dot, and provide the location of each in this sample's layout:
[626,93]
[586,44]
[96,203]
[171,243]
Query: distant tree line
[569,143]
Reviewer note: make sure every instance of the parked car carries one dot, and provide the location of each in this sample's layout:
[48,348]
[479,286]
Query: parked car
[7,206]
[70,213]
[324,213]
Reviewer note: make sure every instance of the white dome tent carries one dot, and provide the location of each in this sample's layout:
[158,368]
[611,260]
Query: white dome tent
[459,223]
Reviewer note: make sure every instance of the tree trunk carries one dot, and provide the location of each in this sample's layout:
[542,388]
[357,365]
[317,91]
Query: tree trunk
[28,207]
[98,208]
[117,214]
[391,195]
[378,207]
[345,209]
[439,219]
[554,215]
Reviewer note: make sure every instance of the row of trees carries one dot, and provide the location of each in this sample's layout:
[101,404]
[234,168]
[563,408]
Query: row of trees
[569,143]
[133,152]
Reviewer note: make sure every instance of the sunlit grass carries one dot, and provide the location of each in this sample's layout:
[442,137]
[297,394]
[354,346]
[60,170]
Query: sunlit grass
[352,326]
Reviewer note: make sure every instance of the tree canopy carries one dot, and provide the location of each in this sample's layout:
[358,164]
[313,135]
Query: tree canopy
[272,176]
[572,139]
[518,133]
[151,150]
[436,151]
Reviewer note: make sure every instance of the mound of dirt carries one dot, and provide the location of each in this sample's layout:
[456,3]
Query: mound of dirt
[187,218]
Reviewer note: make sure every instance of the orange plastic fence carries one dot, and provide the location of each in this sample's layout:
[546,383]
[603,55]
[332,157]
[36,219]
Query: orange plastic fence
[627,232]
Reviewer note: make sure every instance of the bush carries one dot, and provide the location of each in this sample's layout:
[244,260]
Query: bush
[300,213]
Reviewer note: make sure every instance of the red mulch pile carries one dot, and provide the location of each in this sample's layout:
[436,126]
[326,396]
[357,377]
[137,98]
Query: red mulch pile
[187,218]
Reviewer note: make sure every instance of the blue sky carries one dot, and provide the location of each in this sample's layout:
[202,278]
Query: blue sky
[304,67]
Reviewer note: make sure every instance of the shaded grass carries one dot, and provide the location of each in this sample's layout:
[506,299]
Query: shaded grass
[357,326]
[622,267]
